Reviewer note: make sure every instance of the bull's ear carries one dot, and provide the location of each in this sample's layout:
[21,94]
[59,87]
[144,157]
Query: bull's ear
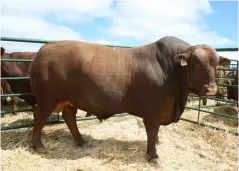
[224,61]
[181,59]
[2,51]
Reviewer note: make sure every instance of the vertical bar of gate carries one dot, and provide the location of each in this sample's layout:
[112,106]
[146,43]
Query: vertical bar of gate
[58,117]
[199,108]
[237,66]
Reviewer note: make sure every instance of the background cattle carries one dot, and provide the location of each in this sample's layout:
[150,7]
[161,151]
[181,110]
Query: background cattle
[151,81]
[232,92]
[18,69]
[14,100]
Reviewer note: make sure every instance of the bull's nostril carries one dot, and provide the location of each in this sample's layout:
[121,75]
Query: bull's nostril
[210,89]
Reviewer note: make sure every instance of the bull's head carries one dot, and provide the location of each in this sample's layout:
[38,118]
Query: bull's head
[201,62]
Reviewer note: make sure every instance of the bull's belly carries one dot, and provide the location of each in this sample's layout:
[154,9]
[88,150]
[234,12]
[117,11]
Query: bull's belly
[101,108]
[165,115]
[93,101]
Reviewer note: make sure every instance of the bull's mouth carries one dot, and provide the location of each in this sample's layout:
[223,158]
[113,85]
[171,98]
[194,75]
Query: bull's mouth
[210,91]
[203,92]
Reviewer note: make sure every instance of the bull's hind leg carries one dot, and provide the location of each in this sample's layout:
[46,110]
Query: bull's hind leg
[41,113]
[69,115]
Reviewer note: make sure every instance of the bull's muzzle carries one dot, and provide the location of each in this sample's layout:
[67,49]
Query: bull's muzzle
[210,90]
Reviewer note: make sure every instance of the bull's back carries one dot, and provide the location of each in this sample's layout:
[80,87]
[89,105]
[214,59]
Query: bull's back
[76,71]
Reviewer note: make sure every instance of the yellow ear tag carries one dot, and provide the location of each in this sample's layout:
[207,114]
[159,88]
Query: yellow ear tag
[183,62]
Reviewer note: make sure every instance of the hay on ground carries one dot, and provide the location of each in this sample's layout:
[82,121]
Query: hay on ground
[117,144]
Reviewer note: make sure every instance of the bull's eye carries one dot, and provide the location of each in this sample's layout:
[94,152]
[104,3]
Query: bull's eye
[196,67]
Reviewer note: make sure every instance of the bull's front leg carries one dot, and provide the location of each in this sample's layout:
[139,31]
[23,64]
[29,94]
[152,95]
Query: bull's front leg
[14,104]
[152,136]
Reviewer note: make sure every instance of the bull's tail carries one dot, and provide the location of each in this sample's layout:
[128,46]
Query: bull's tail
[33,73]
[32,82]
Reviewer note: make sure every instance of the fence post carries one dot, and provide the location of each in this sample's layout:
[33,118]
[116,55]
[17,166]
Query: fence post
[199,108]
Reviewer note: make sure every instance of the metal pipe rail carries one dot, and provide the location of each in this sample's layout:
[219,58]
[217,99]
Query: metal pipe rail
[16,60]
[210,126]
[28,40]
[16,94]
[15,78]
[227,85]
[214,98]
[213,113]
[55,122]
[228,69]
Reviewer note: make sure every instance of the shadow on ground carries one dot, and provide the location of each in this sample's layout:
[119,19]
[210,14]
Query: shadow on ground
[59,144]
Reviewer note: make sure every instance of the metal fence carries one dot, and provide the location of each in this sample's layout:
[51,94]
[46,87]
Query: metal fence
[201,109]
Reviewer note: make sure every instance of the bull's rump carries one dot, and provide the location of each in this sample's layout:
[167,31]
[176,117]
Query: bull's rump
[88,75]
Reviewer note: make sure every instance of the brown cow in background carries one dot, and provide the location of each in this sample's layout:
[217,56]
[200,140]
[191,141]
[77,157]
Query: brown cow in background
[6,89]
[18,69]
[233,91]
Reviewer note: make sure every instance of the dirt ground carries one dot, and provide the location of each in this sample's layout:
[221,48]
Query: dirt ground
[119,143]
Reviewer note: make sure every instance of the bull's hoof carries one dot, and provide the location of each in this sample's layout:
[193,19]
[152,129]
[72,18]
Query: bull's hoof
[87,145]
[154,160]
[81,143]
[38,147]
[157,141]
[40,150]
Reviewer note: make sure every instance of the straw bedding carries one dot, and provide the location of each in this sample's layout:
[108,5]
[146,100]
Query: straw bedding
[119,143]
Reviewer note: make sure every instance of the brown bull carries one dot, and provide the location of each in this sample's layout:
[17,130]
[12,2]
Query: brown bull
[151,82]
